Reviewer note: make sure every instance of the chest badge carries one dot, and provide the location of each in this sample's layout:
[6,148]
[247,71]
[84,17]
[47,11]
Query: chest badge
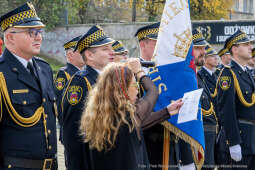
[74,94]
[60,83]
[225,82]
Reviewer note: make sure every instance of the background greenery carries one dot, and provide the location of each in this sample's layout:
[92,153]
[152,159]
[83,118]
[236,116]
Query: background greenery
[62,12]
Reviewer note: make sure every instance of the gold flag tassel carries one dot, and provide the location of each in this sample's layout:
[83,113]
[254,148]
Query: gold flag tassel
[166,149]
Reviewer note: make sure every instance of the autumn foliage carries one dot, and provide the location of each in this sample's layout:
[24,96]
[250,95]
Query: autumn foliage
[210,9]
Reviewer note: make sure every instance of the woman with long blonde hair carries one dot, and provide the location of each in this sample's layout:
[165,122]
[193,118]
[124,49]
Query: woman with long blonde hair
[113,117]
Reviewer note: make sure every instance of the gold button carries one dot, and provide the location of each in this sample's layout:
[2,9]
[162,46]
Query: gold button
[9,166]
[24,102]
[50,147]
[44,100]
[46,116]
[49,131]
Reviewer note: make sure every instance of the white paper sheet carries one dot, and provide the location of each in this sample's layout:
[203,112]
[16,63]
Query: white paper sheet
[189,109]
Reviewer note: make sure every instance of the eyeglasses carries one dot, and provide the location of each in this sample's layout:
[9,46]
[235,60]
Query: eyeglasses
[33,32]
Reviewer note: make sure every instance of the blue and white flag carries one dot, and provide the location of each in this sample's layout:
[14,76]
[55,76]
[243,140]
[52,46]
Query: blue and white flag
[175,72]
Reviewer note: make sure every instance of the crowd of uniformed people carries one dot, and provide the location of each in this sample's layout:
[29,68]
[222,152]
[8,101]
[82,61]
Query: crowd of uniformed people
[31,102]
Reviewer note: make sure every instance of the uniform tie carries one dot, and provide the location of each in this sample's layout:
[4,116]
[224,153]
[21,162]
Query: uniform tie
[32,70]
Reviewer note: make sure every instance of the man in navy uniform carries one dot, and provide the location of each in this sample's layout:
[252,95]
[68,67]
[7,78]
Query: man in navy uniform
[180,152]
[75,63]
[28,119]
[120,52]
[225,60]
[236,103]
[147,37]
[96,50]
[207,81]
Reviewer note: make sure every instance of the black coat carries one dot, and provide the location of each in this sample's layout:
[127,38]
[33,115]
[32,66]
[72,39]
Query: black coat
[63,75]
[78,156]
[26,96]
[208,83]
[233,110]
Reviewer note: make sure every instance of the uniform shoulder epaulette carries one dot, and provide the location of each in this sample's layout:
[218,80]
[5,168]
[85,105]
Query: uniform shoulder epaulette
[62,68]
[227,66]
[82,73]
[40,59]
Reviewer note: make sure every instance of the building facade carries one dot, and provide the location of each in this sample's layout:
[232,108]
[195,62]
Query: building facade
[242,9]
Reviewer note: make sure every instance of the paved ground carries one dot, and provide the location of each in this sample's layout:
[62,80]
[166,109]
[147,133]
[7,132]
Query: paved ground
[61,162]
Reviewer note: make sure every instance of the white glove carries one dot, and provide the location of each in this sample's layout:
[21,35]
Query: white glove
[235,152]
[188,167]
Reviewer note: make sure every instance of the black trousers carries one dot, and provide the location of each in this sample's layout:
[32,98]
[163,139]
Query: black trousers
[210,140]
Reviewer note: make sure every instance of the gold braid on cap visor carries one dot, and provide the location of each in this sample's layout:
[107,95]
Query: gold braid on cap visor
[16,18]
[144,33]
[85,43]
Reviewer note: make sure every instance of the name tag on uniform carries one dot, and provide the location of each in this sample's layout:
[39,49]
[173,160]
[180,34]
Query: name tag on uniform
[20,91]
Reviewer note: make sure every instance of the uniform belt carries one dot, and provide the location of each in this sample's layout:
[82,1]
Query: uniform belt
[46,164]
[248,122]
[210,128]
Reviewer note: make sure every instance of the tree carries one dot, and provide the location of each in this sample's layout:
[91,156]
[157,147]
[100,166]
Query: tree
[210,9]
[200,9]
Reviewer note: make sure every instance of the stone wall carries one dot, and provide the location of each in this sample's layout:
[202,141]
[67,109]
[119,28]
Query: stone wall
[53,41]
[52,45]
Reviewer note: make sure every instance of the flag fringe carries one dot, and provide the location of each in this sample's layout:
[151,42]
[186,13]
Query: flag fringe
[194,144]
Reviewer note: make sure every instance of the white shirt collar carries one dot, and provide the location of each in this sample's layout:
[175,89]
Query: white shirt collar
[249,67]
[208,70]
[243,67]
[22,60]
[98,71]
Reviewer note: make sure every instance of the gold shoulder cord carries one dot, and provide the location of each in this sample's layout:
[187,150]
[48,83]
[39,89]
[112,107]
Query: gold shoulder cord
[67,75]
[63,97]
[88,84]
[209,111]
[17,118]
[240,94]
[216,88]
[62,100]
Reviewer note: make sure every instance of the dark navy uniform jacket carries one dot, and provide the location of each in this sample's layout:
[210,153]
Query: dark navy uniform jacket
[208,83]
[73,103]
[205,99]
[252,73]
[63,75]
[26,96]
[238,117]
[210,80]
[218,69]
